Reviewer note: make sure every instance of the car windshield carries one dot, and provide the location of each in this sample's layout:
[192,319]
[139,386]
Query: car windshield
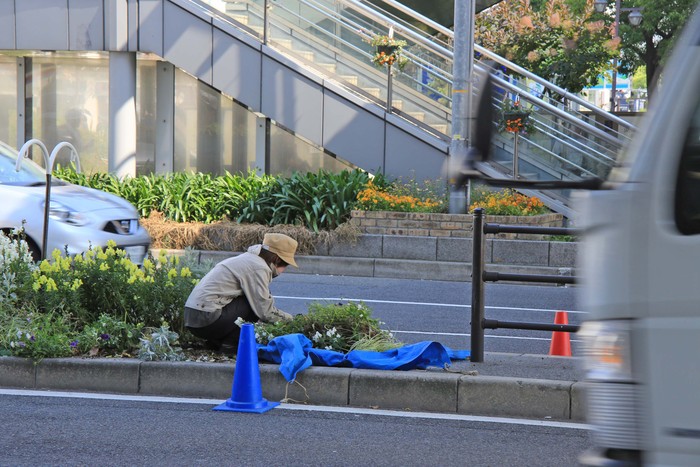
[29,173]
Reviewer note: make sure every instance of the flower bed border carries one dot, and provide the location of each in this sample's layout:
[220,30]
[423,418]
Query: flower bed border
[444,225]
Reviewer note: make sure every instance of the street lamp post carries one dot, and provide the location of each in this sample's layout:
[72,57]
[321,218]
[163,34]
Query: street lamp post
[635,18]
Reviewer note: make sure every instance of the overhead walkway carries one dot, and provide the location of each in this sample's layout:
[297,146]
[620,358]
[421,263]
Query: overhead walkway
[573,139]
[305,64]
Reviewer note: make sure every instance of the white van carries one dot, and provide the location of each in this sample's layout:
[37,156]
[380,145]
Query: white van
[640,264]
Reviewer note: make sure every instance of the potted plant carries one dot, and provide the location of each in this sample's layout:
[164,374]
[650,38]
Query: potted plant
[388,51]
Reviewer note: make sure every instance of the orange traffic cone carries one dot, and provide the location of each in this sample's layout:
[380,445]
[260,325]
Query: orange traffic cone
[561,342]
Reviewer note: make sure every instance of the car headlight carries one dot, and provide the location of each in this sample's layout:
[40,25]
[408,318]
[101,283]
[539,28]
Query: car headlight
[62,213]
[607,350]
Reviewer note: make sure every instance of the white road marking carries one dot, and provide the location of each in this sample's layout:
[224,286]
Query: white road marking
[486,336]
[299,407]
[394,302]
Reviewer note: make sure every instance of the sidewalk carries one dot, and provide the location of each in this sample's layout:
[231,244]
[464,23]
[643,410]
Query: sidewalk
[507,385]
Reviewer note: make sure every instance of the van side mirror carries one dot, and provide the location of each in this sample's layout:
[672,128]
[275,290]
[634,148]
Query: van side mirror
[480,151]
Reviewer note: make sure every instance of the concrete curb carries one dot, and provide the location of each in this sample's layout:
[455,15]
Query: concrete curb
[415,390]
[425,258]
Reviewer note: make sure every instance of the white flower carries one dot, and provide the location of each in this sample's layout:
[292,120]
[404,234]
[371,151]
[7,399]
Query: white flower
[328,347]
[331,332]
[317,337]
[239,322]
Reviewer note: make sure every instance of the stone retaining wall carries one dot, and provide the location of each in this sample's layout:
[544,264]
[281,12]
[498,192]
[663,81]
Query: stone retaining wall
[444,225]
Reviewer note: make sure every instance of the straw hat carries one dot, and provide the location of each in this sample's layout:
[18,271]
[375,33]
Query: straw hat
[282,245]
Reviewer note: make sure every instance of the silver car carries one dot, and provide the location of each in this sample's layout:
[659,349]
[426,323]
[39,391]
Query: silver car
[79,217]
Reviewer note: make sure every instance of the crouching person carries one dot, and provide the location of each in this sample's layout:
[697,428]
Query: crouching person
[239,287]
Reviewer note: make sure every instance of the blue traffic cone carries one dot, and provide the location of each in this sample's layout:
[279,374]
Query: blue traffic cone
[246,395]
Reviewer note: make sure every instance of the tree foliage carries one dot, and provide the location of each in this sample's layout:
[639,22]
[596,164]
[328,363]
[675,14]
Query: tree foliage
[568,43]
[649,43]
[562,42]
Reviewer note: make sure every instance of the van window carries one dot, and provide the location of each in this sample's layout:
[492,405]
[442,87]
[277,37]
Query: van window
[687,204]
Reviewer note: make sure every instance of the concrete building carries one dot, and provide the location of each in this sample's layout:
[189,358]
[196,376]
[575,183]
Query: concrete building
[158,86]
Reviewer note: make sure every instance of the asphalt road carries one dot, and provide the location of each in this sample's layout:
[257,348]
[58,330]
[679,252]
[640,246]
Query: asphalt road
[57,431]
[418,310]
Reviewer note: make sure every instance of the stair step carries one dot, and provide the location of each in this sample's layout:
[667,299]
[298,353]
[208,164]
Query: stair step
[243,19]
[329,67]
[374,92]
[420,116]
[286,43]
[352,79]
[441,127]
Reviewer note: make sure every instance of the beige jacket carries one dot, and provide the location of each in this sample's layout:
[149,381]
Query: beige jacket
[247,274]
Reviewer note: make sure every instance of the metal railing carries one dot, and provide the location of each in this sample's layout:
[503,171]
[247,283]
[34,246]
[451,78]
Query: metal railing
[572,140]
[480,276]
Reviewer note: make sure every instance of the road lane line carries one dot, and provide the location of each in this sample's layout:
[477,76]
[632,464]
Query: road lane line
[487,336]
[394,302]
[299,407]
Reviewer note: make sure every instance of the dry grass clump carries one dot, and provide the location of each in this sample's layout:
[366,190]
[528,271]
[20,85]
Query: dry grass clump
[232,236]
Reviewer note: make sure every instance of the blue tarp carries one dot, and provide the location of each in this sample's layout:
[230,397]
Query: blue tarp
[295,352]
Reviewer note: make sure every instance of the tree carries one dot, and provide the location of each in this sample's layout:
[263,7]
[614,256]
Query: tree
[648,44]
[563,42]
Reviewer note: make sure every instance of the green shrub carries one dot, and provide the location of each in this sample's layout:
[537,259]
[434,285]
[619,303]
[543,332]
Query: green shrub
[106,282]
[161,345]
[182,197]
[333,327]
[37,334]
[108,335]
[318,201]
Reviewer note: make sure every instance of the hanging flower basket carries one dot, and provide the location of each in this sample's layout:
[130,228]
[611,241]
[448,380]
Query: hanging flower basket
[515,119]
[388,52]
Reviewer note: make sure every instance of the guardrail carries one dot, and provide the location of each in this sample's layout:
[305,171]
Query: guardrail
[480,276]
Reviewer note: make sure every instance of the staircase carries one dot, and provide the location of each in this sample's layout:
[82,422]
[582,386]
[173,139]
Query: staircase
[573,138]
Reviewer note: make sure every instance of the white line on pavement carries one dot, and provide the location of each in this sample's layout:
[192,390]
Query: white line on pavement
[487,336]
[292,407]
[394,302]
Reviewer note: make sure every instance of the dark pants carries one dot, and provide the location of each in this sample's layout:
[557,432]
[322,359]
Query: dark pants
[224,331]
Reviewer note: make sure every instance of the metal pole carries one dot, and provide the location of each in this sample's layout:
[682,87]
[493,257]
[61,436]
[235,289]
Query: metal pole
[477,329]
[613,97]
[462,69]
[515,155]
[389,90]
[47,203]
[266,21]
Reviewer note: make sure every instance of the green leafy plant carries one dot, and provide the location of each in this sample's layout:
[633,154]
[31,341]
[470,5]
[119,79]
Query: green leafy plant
[108,335]
[36,334]
[182,197]
[161,345]
[318,201]
[339,327]
[106,281]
